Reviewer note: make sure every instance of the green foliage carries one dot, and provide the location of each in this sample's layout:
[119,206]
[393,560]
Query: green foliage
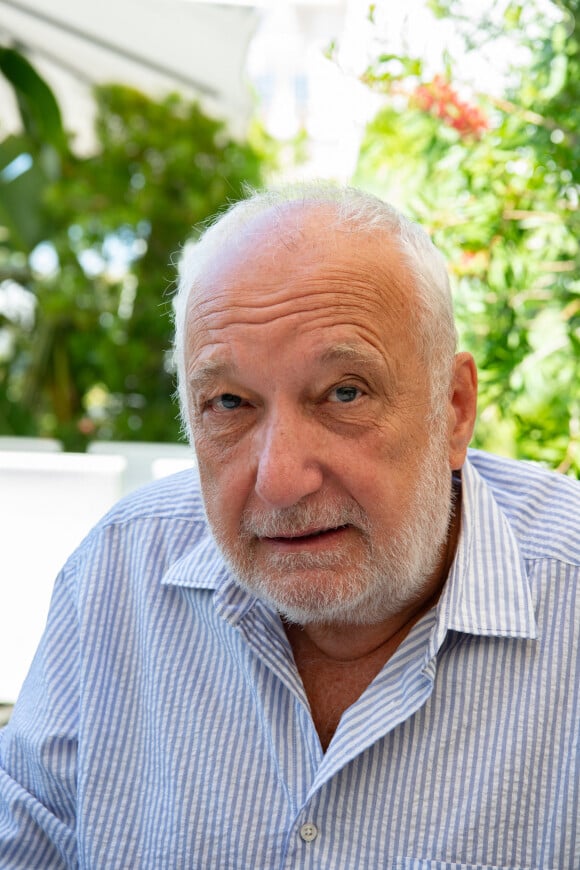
[497,184]
[39,149]
[39,109]
[97,256]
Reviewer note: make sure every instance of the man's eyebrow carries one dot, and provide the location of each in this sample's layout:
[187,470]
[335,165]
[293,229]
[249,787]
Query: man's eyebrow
[368,361]
[351,354]
[207,373]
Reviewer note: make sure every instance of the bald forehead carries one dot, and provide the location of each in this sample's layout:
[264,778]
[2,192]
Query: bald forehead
[295,237]
[295,228]
[301,272]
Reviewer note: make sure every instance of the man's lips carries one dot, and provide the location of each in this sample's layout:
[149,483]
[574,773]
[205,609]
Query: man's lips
[303,537]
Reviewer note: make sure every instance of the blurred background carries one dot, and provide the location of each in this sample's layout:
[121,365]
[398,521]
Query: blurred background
[124,124]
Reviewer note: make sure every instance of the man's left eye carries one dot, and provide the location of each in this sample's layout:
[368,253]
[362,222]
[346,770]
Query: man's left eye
[345,394]
[227,402]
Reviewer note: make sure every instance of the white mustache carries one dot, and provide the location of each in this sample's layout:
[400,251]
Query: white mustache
[301,519]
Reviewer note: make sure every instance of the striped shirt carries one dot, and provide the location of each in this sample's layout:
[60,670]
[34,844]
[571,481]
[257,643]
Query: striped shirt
[164,725]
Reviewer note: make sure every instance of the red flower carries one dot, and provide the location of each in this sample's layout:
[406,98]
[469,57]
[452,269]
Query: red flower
[442,101]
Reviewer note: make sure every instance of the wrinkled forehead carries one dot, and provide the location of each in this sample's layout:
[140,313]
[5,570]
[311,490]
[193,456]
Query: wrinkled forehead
[306,246]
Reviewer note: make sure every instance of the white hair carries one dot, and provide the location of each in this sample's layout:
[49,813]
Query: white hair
[356,211]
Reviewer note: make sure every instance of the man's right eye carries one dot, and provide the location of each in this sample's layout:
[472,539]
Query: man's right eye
[226,402]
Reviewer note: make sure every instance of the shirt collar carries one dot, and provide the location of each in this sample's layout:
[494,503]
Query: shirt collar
[487,591]
[202,567]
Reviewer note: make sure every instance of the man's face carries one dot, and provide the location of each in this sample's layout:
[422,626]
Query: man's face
[325,478]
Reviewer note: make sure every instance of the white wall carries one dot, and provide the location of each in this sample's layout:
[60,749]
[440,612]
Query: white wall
[49,500]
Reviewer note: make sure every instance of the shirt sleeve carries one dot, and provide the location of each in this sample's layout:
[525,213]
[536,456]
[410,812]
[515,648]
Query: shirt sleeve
[38,750]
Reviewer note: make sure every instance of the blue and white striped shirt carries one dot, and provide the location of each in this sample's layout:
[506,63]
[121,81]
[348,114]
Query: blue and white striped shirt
[164,725]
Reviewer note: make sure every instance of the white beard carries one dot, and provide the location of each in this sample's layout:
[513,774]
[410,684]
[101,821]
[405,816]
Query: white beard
[319,588]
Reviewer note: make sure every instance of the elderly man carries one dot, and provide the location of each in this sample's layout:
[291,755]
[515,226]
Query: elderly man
[349,645]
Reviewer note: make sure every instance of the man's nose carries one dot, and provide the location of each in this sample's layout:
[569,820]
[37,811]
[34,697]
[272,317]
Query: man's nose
[288,461]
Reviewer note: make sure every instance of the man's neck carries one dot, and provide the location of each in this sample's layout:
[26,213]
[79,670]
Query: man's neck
[352,643]
[337,664]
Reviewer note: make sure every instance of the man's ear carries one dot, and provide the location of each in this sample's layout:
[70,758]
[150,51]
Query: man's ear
[462,408]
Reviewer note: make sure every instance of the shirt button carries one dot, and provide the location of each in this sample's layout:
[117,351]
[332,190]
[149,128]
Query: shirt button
[308,832]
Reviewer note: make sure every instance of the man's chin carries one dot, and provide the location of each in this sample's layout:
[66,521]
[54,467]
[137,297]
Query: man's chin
[303,595]
[311,597]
